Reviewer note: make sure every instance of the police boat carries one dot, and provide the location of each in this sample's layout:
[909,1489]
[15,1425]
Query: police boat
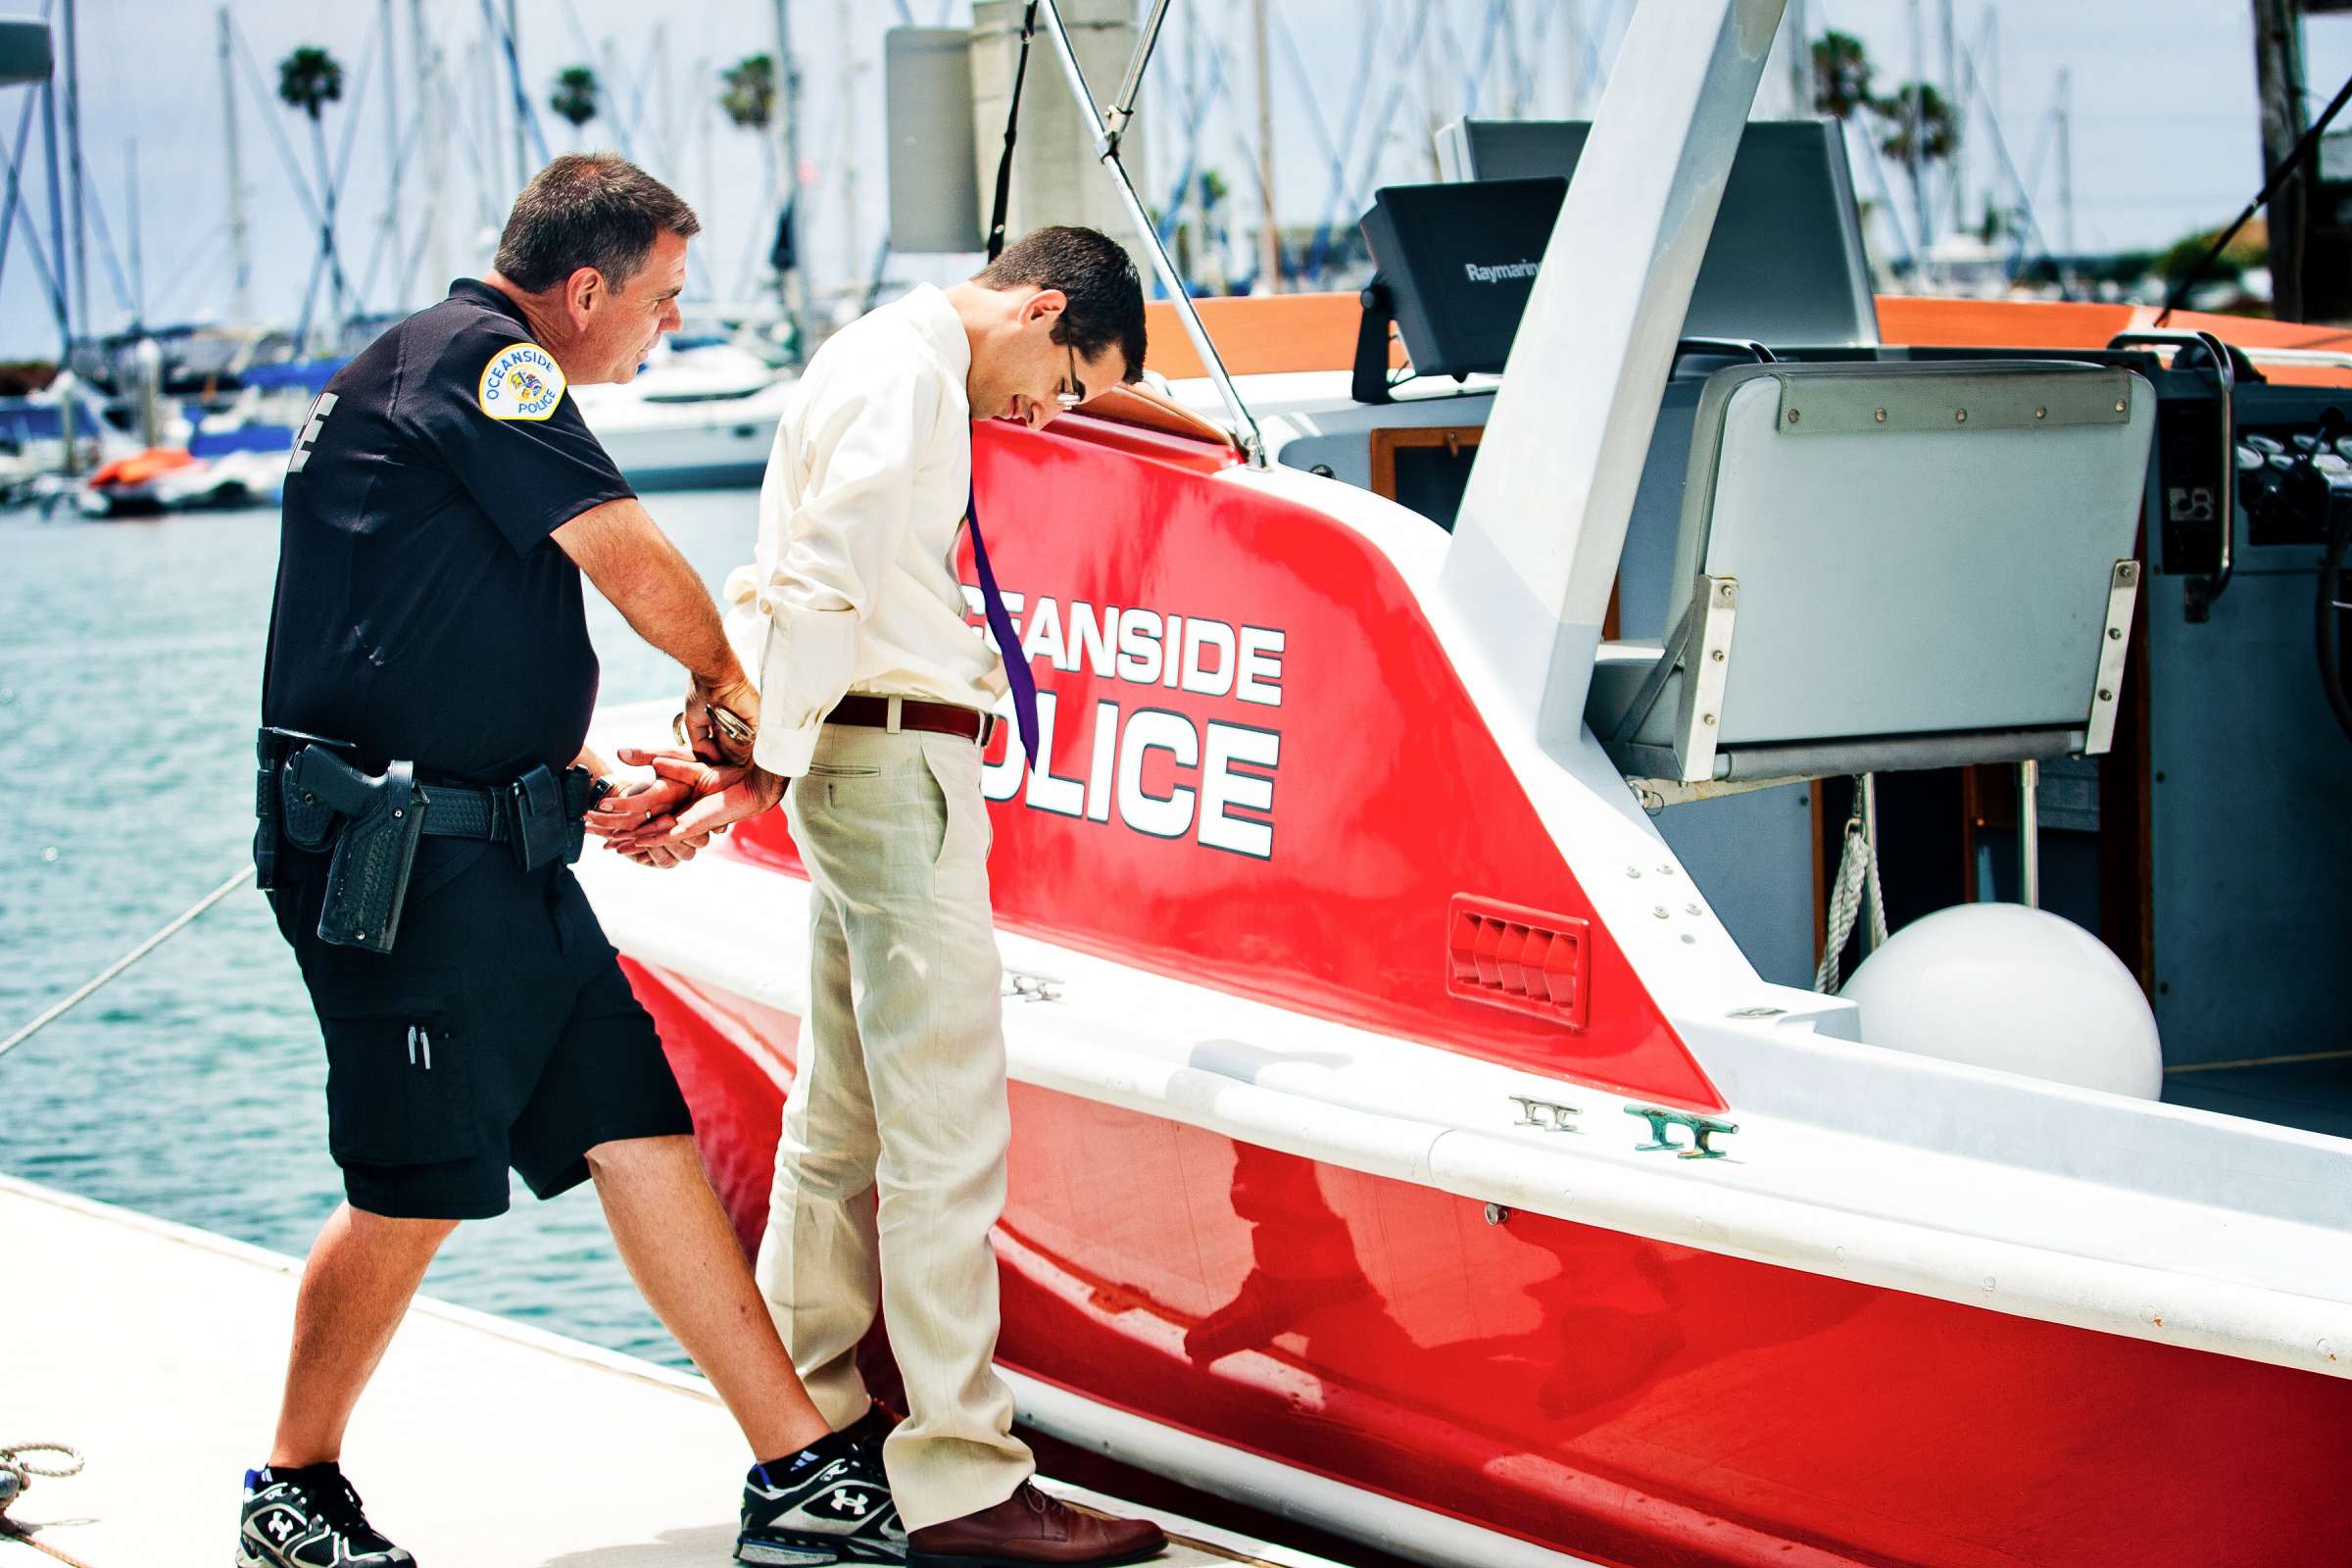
[1437,1113]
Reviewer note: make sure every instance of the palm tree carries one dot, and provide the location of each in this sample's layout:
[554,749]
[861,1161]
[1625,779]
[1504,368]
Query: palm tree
[1917,104]
[749,99]
[1213,189]
[309,79]
[575,96]
[1842,69]
[1921,130]
[750,95]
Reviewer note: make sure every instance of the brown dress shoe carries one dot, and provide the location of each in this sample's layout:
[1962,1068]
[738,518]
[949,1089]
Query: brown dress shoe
[1029,1528]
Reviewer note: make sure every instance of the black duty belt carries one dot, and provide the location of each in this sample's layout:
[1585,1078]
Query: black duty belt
[313,794]
[470,811]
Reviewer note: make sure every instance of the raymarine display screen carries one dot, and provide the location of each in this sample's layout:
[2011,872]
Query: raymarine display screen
[1459,261]
[1785,264]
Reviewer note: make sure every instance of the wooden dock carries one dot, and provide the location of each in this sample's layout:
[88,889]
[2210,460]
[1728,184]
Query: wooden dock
[157,1351]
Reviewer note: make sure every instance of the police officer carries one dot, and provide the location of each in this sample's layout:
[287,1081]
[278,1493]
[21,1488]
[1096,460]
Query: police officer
[442,502]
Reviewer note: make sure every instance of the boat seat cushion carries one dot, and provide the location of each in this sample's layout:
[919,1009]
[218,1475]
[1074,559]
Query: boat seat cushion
[1922,554]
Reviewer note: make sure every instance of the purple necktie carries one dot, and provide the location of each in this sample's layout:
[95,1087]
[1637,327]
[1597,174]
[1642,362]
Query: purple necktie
[1000,626]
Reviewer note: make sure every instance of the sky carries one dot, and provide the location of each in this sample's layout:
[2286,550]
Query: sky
[2163,121]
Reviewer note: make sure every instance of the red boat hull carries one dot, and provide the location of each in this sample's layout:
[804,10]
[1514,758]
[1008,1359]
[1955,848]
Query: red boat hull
[1615,1399]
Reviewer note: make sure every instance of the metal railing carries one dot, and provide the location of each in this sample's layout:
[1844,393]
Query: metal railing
[2203,591]
[1107,153]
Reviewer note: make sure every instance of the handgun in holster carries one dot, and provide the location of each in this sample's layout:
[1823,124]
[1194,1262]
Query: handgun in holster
[381,817]
[277,813]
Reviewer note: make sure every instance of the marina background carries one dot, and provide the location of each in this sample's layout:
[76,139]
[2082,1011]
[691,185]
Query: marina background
[130,657]
[193,1087]
[2158,98]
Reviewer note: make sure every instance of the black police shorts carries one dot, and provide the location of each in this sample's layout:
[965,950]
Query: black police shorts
[499,1032]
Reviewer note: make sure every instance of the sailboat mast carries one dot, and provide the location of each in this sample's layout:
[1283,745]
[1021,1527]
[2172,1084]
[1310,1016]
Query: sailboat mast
[62,300]
[392,169]
[788,130]
[2066,170]
[1188,200]
[489,172]
[138,265]
[240,239]
[523,157]
[665,139]
[75,177]
[427,58]
[850,258]
[1269,234]
[706,115]
[1800,64]
[1576,41]
[64,385]
[1918,123]
[2278,94]
[1955,168]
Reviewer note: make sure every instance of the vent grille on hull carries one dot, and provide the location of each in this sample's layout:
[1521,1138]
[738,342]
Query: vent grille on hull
[1524,959]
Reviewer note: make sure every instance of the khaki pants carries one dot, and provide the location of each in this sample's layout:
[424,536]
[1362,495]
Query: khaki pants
[890,1168]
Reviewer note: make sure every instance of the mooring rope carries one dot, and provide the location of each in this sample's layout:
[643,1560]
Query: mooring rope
[17,1472]
[15,1479]
[100,979]
[1857,884]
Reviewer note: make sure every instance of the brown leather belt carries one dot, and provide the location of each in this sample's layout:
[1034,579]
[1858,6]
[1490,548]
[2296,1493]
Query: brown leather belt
[940,719]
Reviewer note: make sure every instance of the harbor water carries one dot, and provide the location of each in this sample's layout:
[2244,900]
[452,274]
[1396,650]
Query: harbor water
[192,1087]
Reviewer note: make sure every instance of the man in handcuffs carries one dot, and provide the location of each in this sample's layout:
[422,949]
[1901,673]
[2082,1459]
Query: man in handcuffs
[876,701]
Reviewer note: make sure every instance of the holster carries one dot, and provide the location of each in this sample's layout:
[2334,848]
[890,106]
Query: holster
[583,792]
[383,817]
[276,808]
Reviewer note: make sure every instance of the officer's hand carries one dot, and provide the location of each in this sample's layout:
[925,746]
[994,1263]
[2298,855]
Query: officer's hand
[679,779]
[630,807]
[720,795]
[661,855]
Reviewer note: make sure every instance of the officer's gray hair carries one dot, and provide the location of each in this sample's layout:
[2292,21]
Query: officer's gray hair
[588,210]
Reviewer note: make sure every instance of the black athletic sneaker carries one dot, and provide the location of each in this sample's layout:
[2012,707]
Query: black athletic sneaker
[829,1503]
[310,1518]
[871,1430]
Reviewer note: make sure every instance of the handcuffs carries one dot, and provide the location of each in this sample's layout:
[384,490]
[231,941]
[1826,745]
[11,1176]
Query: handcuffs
[731,726]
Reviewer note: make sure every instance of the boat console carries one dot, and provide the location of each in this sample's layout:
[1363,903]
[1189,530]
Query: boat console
[1910,607]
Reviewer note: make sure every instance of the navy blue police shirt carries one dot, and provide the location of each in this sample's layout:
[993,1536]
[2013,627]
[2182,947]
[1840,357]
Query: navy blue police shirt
[423,613]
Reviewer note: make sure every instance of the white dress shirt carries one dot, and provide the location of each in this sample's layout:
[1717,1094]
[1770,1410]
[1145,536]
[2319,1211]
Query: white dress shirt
[856,580]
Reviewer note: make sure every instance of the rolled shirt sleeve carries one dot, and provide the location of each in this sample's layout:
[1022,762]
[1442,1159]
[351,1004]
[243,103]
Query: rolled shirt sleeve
[823,561]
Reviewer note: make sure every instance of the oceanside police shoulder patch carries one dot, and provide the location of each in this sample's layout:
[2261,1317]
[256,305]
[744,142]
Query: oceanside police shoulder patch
[521,381]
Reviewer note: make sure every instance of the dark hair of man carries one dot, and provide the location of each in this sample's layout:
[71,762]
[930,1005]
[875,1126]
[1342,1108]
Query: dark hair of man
[588,210]
[1091,269]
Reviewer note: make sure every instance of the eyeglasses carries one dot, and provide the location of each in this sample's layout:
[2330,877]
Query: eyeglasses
[1071,392]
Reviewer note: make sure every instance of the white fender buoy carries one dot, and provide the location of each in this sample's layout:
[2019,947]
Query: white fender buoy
[1999,985]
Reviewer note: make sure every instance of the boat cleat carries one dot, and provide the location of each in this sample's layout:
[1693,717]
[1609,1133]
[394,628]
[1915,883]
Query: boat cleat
[1701,1128]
